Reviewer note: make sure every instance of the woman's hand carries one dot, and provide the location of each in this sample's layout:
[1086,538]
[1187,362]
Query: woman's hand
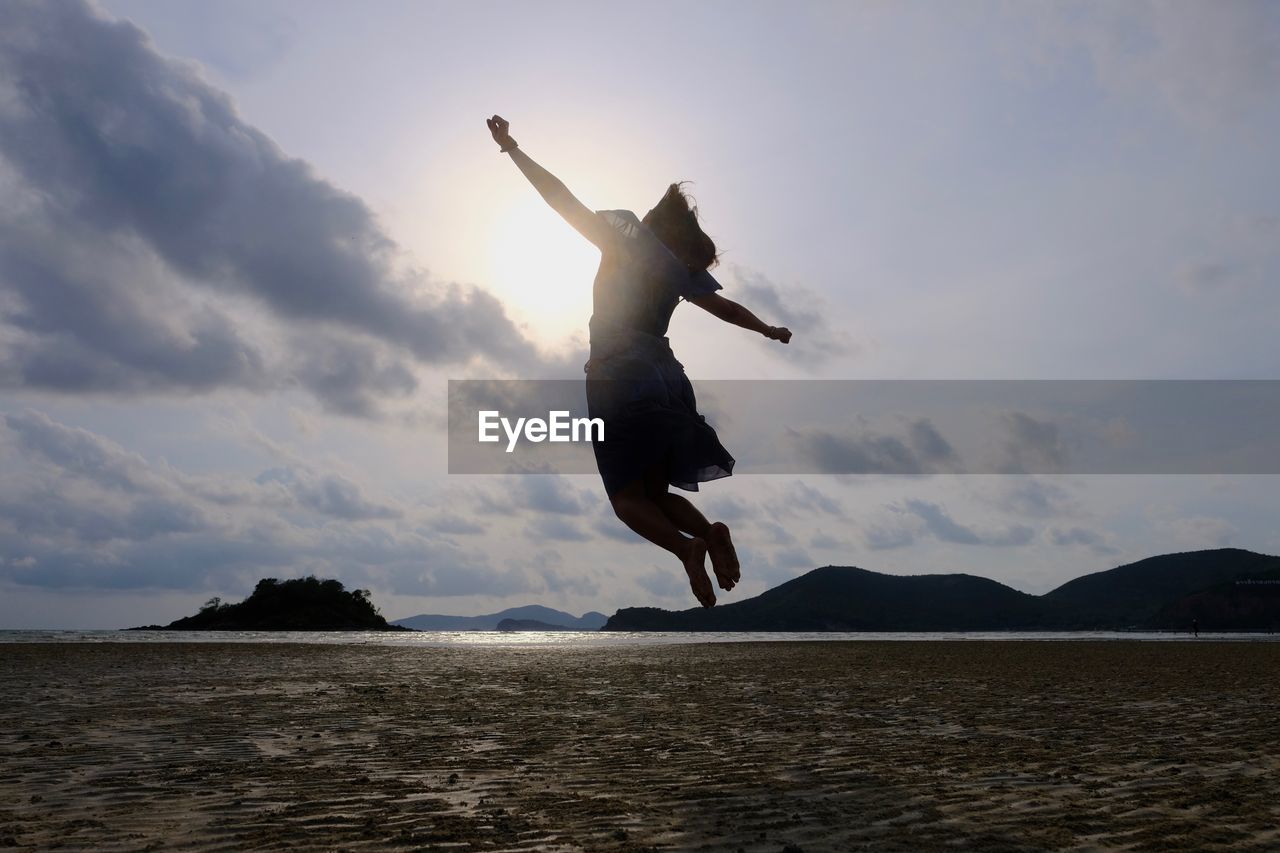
[500,127]
[779,333]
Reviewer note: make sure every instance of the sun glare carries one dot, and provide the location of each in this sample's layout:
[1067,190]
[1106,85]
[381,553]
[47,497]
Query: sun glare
[543,268]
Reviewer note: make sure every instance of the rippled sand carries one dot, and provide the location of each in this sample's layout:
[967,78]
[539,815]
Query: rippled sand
[771,746]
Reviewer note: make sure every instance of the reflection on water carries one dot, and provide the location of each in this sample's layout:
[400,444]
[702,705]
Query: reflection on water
[585,639]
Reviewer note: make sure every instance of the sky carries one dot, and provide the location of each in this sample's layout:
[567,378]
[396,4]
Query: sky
[245,245]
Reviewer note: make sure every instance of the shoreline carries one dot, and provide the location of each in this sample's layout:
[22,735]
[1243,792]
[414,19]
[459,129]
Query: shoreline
[414,638]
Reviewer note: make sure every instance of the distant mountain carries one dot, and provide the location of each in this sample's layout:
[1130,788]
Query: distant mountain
[1147,593]
[528,625]
[843,598]
[591,621]
[301,604]
[1225,589]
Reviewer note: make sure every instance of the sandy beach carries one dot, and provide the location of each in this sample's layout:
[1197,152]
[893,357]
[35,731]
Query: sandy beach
[757,746]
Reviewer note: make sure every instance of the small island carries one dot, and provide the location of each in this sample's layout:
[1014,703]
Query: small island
[301,604]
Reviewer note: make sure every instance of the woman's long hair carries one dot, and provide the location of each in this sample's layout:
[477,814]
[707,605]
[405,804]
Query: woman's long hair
[674,220]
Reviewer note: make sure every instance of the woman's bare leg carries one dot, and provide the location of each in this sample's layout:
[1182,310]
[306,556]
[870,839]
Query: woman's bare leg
[682,513]
[644,516]
[687,517]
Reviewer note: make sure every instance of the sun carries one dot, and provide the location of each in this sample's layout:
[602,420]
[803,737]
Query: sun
[542,267]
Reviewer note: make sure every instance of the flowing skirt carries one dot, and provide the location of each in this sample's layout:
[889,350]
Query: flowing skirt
[640,392]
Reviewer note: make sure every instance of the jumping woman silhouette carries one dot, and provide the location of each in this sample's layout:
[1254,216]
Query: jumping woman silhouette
[654,436]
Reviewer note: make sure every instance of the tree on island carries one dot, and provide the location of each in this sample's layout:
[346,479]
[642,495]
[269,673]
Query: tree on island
[300,604]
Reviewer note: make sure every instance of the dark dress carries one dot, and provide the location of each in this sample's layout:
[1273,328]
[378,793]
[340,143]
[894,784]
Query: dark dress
[634,383]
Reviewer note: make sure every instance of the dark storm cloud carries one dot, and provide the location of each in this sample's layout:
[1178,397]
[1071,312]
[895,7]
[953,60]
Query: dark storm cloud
[145,219]
[922,450]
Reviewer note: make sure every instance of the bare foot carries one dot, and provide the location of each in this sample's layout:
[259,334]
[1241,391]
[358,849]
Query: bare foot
[724,560]
[694,559]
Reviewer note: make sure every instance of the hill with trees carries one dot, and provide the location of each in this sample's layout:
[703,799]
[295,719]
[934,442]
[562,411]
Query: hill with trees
[1225,589]
[301,604]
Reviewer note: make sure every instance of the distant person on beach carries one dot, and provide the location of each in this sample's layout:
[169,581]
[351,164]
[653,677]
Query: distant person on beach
[654,436]
[1195,627]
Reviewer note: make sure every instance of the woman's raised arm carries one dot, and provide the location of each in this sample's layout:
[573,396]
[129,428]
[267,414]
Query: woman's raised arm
[552,189]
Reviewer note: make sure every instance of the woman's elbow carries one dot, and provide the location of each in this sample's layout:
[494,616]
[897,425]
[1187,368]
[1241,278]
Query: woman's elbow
[734,312]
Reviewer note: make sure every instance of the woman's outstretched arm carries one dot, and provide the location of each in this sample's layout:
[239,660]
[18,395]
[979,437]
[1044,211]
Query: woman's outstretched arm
[551,188]
[738,315]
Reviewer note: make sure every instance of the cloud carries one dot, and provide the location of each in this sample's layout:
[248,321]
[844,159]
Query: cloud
[792,558]
[802,500]
[550,493]
[154,241]
[1090,539]
[242,38]
[1206,276]
[328,494]
[883,537]
[728,508]
[775,565]
[801,310]
[922,450]
[776,533]
[79,510]
[826,542]
[79,452]
[1205,63]
[1200,532]
[1233,255]
[1031,445]
[665,583]
[555,528]
[451,522]
[1026,495]
[942,527]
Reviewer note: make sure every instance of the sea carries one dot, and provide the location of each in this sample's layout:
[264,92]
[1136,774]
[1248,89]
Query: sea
[600,639]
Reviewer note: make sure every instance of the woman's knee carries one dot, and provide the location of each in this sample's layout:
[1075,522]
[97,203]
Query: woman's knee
[625,501]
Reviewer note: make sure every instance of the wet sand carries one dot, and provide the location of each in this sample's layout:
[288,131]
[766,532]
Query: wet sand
[768,746]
